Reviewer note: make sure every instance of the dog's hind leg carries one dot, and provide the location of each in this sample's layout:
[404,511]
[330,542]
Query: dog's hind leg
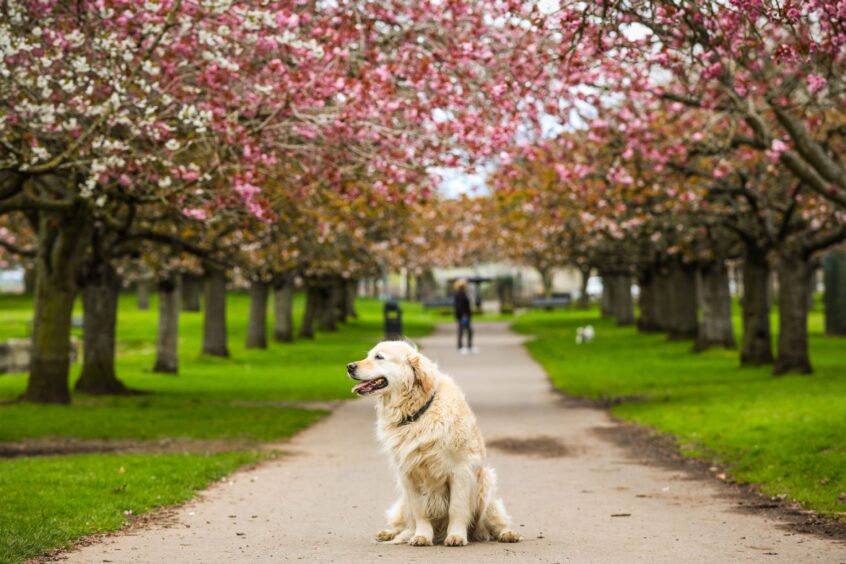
[496,520]
[399,520]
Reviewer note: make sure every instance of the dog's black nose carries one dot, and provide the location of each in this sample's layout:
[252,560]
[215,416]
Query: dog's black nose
[351,367]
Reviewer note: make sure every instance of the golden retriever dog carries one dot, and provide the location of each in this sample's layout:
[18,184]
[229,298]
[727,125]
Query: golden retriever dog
[448,493]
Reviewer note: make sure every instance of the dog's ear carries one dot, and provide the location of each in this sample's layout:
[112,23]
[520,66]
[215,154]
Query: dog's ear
[423,371]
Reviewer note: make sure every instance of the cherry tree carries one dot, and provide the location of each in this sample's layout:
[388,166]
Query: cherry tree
[113,106]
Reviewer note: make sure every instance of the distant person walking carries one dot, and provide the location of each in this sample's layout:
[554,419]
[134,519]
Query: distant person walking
[463,313]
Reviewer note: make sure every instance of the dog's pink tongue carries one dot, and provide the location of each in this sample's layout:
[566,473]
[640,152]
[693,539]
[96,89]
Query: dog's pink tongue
[358,387]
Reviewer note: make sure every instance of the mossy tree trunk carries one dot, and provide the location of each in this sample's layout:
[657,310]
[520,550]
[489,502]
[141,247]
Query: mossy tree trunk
[683,309]
[425,285]
[257,323]
[283,318]
[339,300]
[142,294]
[29,281]
[757,346]
[661,294]
[214,318]
[793,288]
[167,343]
[546,275]
[834,271]
[715,326]
[351,288]
[327,318]
[648,319]
[621,305]
[607,299]
[312,307]
[584,300]
[409,285]
[192,286]
[62,240]
[99,303]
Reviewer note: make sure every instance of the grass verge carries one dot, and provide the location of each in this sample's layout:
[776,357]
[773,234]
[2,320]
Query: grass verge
[51,501]
[785,434]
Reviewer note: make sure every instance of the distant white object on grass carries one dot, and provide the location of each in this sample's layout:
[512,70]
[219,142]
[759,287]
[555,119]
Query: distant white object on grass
[584,335]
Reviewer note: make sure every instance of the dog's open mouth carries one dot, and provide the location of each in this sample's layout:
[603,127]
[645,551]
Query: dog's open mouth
[370,386]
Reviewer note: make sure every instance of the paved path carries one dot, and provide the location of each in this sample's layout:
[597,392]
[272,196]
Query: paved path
[324,502]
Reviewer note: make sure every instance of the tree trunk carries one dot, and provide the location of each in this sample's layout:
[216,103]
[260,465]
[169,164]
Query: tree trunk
[99,303]
[338,291]
[214,320]
[834,270]
[715,328]
[683,307]
[312,307]
[167,343]
[505,294]
[793,316]
[584,299]
[409,286]
[607,299]
[426,285]
[191,290]
[62,238]
[757,346]
[29,281]
[661,296]
[283,300]
[648,300]
[813,266]
[326,316]
[546,280]
[142,289]
[257,324]
[352,291]
[622,305]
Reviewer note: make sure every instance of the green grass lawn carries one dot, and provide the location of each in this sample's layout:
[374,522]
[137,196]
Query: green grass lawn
[786,434]
[48,501]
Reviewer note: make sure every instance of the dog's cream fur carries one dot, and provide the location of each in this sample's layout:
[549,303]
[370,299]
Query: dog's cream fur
[448,493]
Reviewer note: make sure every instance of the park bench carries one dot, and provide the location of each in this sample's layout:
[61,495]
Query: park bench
[439,304]
[15,354]
[554,302]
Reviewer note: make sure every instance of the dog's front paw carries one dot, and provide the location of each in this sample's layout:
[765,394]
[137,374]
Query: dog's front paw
[455,540]
[509,536]
[386,535]
[420,540]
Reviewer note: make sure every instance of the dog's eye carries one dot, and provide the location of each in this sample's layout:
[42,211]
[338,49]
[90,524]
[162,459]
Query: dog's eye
[379,357]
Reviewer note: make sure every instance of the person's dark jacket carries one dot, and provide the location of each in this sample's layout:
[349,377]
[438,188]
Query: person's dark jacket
[462,305]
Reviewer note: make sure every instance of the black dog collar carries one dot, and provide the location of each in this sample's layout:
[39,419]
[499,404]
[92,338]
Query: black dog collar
[415,416]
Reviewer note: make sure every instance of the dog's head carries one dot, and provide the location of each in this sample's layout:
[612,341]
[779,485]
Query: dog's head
[391,368]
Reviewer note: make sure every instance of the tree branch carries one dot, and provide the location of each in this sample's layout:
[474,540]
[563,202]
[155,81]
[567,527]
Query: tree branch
[824,240]
[179,244]
[16,250]
[811,177]
[809,149]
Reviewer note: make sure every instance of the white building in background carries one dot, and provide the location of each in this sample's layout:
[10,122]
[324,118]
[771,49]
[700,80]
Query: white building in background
[527,280]
[12,281]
